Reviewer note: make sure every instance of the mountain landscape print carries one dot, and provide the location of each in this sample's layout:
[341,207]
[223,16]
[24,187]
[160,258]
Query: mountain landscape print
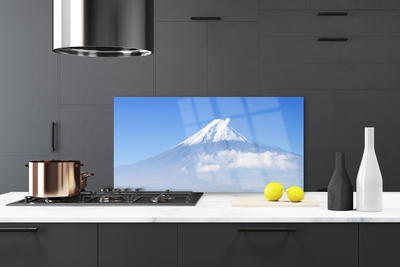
[232,144]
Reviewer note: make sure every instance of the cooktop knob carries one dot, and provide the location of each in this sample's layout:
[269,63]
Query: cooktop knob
[105,190]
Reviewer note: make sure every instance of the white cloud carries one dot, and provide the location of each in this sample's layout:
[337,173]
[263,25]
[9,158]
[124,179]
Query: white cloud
[235,159]
[206,158]
[184,169]
[208,168]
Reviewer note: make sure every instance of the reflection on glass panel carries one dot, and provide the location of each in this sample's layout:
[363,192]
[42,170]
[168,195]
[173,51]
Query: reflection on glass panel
[274,130]
[257,104]
[187,111]
[230,106]
[203,108]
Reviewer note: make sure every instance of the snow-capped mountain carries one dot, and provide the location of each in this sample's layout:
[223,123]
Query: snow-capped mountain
[217,130]
[218,156]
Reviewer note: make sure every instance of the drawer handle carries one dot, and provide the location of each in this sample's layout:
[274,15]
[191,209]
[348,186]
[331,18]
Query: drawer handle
[206,18]
[266,229]
[332,39]
[18,229]
[333,13]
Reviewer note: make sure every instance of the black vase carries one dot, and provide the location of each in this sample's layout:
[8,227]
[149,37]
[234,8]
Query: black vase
[340,190]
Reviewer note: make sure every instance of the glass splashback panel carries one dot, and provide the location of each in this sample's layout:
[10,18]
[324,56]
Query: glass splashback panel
[208,144]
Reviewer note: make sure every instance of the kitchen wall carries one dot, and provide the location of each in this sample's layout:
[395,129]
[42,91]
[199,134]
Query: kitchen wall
[346,85]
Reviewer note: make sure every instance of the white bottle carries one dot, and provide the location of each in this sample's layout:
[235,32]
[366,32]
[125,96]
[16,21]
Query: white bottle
[369,177]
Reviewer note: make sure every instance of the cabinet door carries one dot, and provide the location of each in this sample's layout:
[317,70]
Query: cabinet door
[181,59]
[97,81]
[337,76]
[378,4]
[309,23]
[267,245]
[333,4]
[232,58]
[87,135]
[48,245]
[228,10]
[379,244]
[138,245]
[309,49]
[28,75]
[284,4]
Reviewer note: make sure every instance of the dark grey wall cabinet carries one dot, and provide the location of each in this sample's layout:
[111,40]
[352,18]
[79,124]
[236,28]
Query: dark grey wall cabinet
[48,245]
[338,76]
[87,90]
[267,244]
[204,56]
[87,135]
[96,81]
[310,50]
[333,4]
[307,4]
[228,10]
[232,59]
[256,48]
[378,4]
[347,83]
[310,23]
[28,89]
[284,4]
[181,60]
[138,245]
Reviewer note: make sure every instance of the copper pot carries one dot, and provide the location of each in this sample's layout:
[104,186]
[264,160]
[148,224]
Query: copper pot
[55,178]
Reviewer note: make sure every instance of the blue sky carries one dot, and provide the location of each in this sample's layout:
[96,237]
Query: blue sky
[147,126]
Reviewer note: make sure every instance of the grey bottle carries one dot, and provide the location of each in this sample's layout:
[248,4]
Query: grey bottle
[340,189]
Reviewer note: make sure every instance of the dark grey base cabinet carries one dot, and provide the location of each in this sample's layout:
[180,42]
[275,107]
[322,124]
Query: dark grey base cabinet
[379,244]
[199,244]
[268,245]
[48,245]
[138,245]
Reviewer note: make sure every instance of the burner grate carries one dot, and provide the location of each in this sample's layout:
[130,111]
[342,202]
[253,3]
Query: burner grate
[116,196]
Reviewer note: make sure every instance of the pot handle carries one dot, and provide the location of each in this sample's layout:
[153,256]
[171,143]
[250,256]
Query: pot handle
[86,175]
[83,178]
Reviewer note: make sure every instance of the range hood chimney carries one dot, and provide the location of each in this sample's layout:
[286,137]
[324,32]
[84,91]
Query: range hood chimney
[103,28]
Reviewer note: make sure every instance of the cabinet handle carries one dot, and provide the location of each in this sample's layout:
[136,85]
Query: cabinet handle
[332,39]
[205,18]
[266,229]
[52,136]
[18,229]
[333,13]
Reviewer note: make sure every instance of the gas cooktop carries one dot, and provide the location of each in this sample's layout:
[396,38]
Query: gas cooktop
[108,196]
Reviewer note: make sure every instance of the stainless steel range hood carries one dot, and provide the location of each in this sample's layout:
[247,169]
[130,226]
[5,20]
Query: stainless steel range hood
[103,28]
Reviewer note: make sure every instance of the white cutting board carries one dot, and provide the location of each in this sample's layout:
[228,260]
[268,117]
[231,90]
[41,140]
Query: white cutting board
[263,202]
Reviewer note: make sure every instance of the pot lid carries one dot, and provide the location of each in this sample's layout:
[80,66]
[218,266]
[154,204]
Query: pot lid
[53,161]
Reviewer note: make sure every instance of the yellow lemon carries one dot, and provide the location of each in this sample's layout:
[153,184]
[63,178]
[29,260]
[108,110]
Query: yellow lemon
[295,194]
[273,191]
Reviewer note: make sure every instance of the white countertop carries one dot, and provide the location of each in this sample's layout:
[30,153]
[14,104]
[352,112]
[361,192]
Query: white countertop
[211,208]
